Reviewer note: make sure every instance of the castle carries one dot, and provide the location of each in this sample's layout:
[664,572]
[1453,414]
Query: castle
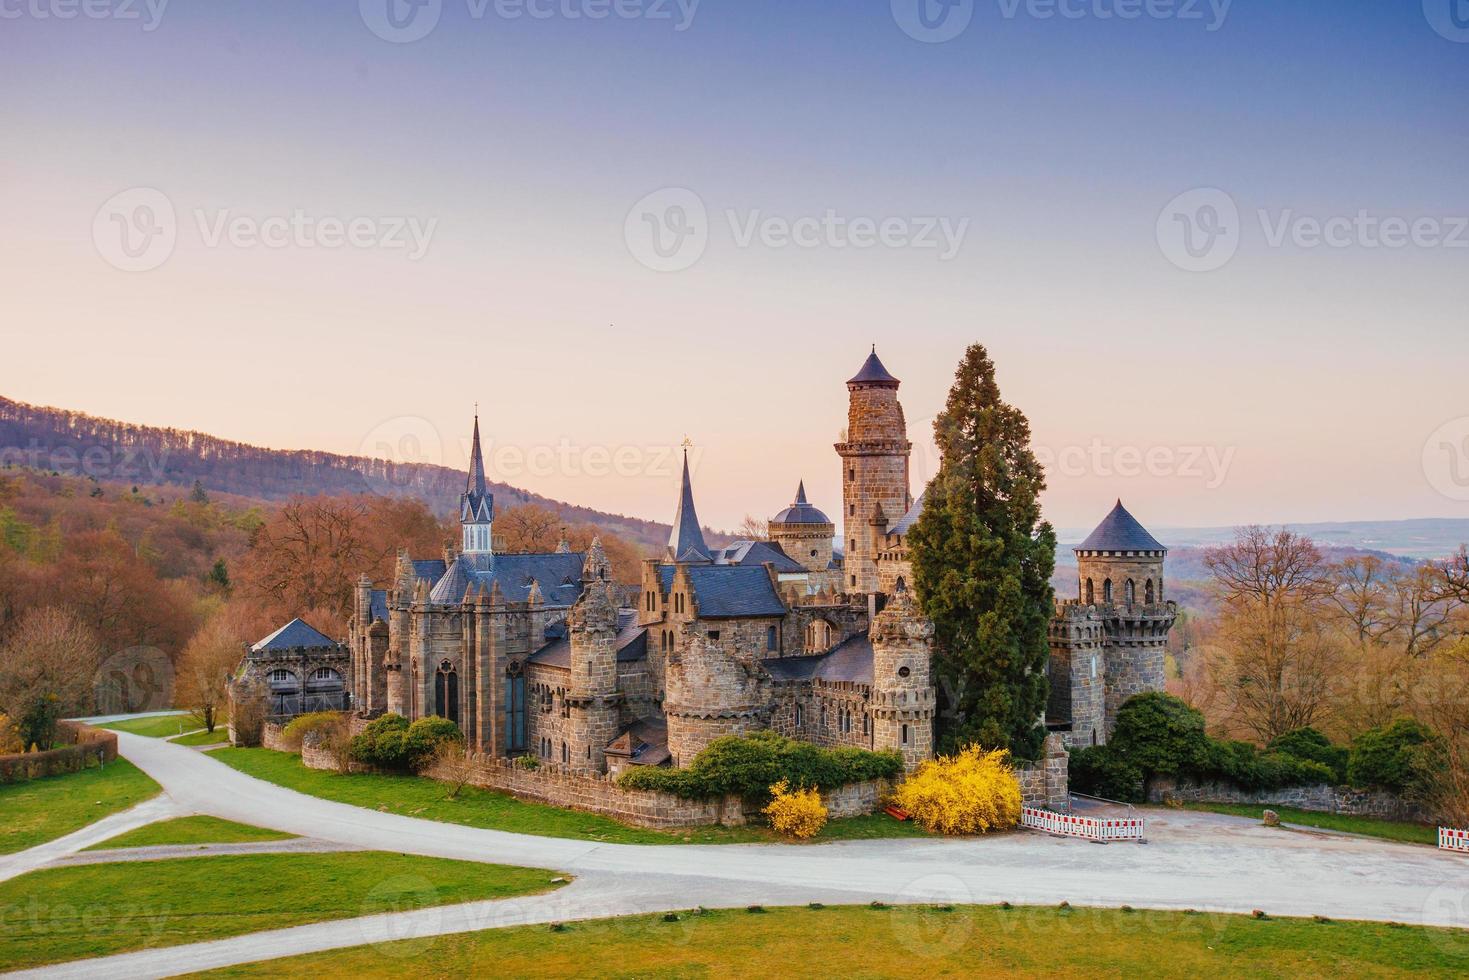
[534,654]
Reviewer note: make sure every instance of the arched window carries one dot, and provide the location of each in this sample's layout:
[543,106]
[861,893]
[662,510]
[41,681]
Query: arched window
[1149,592]
[1131,592]
[324,679]
[282,680]
[772,640]
[800,719]
[446,692]
[1106,590]
[1091,593]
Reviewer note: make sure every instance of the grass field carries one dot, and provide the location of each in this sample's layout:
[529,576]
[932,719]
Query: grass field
[965,941]
[1409,833]
[219,736]
[415,797]
[190,830]
[60,914]
[156,726]
[45,809]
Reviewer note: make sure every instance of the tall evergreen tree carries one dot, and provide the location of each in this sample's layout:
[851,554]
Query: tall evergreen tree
[982,564]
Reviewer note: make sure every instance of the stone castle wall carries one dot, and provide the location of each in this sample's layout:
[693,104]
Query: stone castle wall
[1319,798]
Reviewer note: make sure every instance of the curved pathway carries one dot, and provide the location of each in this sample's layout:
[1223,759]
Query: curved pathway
[1193,860]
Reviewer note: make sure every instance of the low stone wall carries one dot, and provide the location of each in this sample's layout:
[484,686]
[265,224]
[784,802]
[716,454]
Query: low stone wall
[88,745]
[273,737]
[1046,783]
[1319,798]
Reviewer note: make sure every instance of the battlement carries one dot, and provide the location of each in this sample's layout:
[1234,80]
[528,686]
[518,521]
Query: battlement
[1076,609]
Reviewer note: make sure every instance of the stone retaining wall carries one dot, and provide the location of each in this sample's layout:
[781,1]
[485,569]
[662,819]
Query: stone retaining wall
[1319,798]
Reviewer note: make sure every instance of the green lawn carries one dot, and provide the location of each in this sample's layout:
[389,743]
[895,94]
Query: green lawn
[424,798]
[930,941]
[190,830]
[157,726]
[1408,833]
[219,736]
[45,809]
[60,914]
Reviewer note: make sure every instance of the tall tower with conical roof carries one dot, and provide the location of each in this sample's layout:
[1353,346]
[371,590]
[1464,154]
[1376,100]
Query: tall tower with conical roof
[875,460]
[476,504]
[686,541]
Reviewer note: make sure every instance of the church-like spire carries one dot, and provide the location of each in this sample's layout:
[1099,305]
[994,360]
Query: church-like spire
[476,505]
[476,484]
[686,543]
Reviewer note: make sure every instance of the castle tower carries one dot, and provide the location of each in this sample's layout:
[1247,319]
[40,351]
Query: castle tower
[594,701]
[804,533]
[902,695]
[476,505]
[874,471]
[1111,641]
[686,542]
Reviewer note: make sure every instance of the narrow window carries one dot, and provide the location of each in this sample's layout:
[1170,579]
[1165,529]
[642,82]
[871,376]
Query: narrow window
[1107,590]
[1091,593]
[905,734]
[772,640]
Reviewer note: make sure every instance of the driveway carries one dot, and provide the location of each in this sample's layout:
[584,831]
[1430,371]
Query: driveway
[1208,862]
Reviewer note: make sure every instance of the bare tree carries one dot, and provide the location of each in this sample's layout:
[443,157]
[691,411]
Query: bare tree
[205,668]
[529,528]
[47,665]
[452,766]
[754,528]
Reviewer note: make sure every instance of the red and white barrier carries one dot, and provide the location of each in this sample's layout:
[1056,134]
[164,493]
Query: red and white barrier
[1089,828]
[1453,840]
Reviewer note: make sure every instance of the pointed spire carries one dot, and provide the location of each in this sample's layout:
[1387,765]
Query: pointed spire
[476,484]
[686,542]
[873,373]
[476,504]
[801,493]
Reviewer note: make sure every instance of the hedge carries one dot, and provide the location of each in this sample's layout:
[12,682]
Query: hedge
[1401,757]
[1308,743]
[390,742]
[90,745]
[748,765]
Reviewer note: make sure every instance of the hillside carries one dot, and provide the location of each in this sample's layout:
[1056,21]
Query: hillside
[56,440]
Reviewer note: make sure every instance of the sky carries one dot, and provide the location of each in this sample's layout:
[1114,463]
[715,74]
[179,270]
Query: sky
[1218,252]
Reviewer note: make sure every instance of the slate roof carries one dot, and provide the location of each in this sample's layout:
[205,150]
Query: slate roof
[686,541]
[429,568]
[477,505]
[379,605]
[849,661]
[643,743]
[729,591]
[558,574]
[800,512]
[632,643]
[757,553]
[873,372]
[904,523]
[295,635]
[1120,531]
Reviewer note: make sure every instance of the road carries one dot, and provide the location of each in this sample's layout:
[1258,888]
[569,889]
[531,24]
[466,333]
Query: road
[1192,860]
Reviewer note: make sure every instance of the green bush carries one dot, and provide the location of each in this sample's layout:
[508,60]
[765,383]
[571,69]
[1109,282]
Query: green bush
[1161,735]
[749,765]
[1400,757]
[390,742]
[1308,743]
[317,721]
[1098,771]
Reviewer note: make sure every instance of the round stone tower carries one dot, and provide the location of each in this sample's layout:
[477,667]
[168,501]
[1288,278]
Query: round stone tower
[874,471]
[902,694]
[804,533]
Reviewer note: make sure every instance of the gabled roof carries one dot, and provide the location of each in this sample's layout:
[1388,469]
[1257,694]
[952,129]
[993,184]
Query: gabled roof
[732,591]
[295,635]
[557,574]
[849,661]
[632,643]
[904,523]
[686,542]
[1120,531]
[873,373]
[432,569]
[800,512]
[758,553]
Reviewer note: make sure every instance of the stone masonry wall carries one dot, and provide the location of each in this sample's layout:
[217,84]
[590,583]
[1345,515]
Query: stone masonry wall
[1046,783]
[1319,798]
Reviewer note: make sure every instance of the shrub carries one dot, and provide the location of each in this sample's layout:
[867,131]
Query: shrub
[1098,771]
[1308,743]
[972,792]
[1400,757]
[9,737]
[317,721]
[748,765]
[795,812]
[390,742]
[1160,735]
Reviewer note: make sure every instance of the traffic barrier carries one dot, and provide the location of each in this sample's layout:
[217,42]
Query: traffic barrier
[1088,828]
[1453,840]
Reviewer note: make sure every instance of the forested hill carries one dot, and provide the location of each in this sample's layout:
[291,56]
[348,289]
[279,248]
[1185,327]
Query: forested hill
[73,443]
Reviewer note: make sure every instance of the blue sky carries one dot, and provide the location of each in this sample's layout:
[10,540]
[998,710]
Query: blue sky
[1320,373]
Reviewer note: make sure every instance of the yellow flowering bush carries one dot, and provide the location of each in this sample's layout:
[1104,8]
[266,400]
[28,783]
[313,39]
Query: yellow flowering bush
[970,793]
[798,813]
[10,742]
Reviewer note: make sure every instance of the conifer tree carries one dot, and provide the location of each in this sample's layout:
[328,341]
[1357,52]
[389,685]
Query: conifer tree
[982,564]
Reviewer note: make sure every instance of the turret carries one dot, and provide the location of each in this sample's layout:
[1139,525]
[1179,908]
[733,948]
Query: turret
[875,459]
[902,697]
[686,542]
[804,533]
